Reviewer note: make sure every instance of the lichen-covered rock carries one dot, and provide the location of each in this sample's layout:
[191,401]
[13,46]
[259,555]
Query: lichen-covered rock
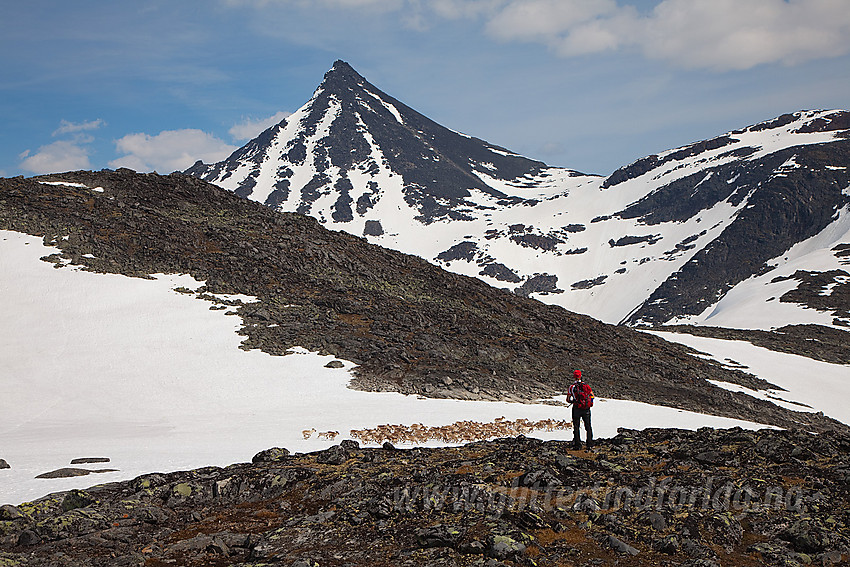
[335,455]
[504,547]
[76,499]
[9,512]
[481,503]
[270,455]
[438,536]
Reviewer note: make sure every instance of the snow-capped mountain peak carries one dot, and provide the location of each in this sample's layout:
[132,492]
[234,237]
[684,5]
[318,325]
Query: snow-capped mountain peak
[662,239]
[352,147]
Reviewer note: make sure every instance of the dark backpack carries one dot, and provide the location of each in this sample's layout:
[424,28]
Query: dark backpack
[582,396]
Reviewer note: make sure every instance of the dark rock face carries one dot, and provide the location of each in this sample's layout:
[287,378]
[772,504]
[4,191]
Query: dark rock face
[540,283]
[500,272]
[373,228]
[649,163]
[784,206]
[642,498]
[460,251]
[587,284]
[408,324]
[4,464]
[629,240]
[825,291]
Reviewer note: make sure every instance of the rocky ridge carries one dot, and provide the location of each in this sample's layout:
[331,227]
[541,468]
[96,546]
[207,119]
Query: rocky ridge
[654,497]
[410,326]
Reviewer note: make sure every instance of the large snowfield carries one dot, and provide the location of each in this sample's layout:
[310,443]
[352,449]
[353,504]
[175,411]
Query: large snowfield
[95,365]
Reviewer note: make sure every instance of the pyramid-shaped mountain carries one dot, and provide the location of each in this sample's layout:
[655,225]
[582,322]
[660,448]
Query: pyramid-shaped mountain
[338,154]
[749,229]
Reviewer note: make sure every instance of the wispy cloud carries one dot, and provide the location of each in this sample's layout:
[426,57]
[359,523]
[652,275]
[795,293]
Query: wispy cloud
[249,128]
[719,35]
[62,155]
[67,127]
[170,150]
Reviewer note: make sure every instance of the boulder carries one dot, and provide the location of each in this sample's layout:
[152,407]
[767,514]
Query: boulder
[9,512]
[28,537]
[540,478]
[438,536]
[668,544]
[504,547]
[87,460]
[620,546]
[77,499]
[805,537]
[4,464]
[271,455]
[335,455]
[657,521]
[65,472]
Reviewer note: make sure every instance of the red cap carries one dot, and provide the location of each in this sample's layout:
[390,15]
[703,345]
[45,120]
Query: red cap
[577,374]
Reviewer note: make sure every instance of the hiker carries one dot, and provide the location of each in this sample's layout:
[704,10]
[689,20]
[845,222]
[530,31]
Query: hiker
[581,396]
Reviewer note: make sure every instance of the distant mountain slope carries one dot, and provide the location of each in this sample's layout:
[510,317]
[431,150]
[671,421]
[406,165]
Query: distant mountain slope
[411,326]
[660,240]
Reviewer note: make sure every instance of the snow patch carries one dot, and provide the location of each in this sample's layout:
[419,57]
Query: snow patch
[156,381]
[821,386]
[65,184]
[393,110]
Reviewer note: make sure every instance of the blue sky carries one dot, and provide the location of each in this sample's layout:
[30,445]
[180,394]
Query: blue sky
[586,84]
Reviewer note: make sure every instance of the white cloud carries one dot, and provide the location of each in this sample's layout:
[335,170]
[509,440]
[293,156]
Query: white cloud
[382,5]
[713,34]
[709,34]
[67,127]
[729,34]
[57,157]
[533,20]
[170,150]
[455,9]
[249,128]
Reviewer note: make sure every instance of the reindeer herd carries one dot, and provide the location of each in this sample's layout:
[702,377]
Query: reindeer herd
[457,432]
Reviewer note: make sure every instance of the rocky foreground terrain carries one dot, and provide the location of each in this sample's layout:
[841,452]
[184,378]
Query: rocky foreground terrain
[652,497]
[409,325]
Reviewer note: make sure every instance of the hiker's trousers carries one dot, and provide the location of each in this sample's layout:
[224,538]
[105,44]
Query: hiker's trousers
[580,415]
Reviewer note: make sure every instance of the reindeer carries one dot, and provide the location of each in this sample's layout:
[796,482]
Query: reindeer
[458,432]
